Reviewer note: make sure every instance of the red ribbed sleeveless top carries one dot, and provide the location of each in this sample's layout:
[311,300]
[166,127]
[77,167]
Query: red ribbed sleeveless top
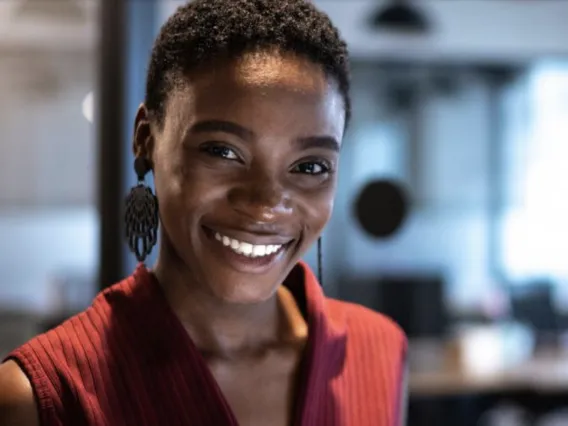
[127,361]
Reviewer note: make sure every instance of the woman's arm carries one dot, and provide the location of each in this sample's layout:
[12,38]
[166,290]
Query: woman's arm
[17,404]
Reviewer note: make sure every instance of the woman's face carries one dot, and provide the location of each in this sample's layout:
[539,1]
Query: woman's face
[245,171]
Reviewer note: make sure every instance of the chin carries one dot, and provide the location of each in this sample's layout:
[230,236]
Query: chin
[234,286]
[244,293]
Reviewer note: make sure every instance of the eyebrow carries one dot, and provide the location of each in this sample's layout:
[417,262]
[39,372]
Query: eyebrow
[206,126]
[222,126]
[325,142]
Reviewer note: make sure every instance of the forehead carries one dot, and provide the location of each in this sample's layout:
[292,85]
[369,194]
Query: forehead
[262,69]
[262,91]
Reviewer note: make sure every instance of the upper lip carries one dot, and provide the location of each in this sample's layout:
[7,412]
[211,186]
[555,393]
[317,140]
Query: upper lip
[255,236]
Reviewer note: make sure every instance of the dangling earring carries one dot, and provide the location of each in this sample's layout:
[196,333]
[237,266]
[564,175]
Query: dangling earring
[141,217]
[320,269]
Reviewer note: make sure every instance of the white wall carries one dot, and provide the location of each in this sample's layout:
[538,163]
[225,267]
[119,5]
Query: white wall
[39,248]
[448,228]
[48,25]
[48,148]
[48,220]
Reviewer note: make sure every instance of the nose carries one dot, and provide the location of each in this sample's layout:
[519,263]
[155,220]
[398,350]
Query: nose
[262,200]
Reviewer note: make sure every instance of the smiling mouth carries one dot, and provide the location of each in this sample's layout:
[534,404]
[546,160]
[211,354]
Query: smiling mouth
[246,256]
[248,249]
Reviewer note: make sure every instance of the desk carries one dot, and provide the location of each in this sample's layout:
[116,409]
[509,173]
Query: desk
[544,372]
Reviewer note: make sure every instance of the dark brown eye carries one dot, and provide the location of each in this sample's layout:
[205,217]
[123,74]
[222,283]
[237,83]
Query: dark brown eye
[312,168]
[216,150]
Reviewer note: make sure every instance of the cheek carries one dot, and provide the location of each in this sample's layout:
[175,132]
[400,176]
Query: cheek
[173,194]
[317,210]
[184,193]
[169,185]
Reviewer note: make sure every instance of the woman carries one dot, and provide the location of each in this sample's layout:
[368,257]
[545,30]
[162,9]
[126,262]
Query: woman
[244,114]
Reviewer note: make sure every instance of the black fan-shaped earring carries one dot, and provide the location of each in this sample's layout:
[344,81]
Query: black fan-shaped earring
[141,216]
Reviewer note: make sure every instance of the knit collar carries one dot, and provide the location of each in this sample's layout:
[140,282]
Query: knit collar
[325,351]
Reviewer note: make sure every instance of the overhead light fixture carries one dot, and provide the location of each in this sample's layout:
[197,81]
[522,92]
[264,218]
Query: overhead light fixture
[400,16]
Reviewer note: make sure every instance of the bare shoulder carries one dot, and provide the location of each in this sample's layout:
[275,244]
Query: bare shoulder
[17,404]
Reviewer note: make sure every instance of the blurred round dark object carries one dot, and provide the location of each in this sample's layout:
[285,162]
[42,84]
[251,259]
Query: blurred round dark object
[400,15]
[381,208]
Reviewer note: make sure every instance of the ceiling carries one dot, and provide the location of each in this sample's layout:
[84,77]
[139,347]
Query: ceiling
[463,30]
[479,31]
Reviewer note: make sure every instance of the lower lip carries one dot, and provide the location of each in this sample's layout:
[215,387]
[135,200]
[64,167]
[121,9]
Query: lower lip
[244,263]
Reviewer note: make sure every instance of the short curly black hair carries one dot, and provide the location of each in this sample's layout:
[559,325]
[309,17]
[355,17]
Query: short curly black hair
[205,30]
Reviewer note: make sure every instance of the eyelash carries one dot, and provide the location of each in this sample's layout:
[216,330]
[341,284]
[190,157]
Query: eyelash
[220,151]
[325,168]
[213,149]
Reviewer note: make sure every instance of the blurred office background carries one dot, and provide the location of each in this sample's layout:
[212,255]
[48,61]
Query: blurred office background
[451,210]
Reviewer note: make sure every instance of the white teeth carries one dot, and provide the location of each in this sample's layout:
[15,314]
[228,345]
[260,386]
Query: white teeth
[247,249]
[259,250]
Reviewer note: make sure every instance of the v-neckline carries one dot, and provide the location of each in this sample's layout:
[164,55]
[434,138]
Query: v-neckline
[309,296]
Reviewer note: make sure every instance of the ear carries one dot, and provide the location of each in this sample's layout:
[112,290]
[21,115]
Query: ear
[143,142]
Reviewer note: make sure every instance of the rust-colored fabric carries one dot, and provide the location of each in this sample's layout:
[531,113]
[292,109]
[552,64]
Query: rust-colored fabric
[127,361]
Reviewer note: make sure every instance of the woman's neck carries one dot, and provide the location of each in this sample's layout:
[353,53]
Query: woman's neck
[229,330]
